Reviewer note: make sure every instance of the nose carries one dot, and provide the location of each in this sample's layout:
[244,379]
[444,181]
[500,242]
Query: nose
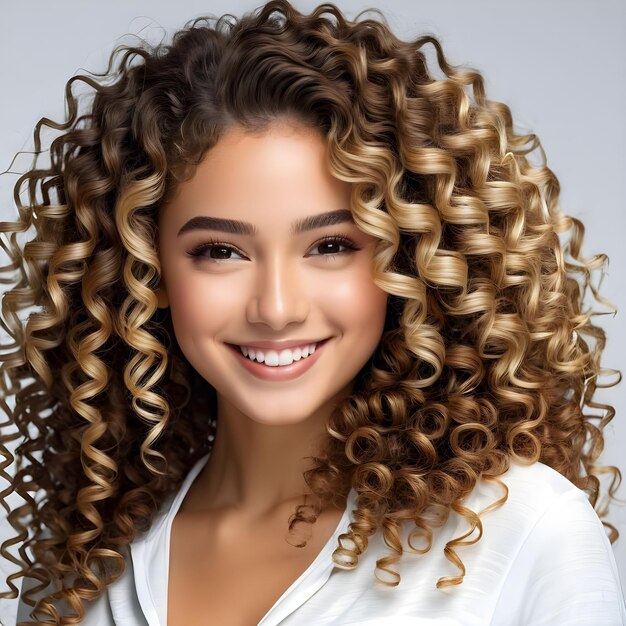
[279,296]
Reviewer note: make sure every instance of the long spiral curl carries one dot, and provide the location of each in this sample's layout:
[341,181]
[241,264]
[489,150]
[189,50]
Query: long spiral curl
[482,360]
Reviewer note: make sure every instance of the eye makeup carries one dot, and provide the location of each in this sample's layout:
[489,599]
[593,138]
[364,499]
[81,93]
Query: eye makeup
[198,252]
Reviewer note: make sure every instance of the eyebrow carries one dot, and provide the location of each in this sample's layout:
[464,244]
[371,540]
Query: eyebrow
[236,227]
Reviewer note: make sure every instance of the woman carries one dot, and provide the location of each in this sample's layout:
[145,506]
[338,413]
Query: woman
[307,337]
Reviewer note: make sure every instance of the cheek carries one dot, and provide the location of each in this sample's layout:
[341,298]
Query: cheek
[363,305]
[199,305]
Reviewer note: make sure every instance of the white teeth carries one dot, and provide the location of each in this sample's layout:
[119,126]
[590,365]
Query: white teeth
[272,358]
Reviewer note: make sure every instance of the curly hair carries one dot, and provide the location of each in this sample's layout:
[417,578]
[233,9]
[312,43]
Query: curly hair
[482,360]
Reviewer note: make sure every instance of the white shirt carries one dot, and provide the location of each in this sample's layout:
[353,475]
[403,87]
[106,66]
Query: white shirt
[544,559]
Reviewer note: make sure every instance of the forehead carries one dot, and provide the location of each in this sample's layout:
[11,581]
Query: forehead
[266,178]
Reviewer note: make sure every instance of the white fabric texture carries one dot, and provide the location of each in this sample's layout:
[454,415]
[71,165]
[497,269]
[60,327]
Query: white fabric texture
[544,559]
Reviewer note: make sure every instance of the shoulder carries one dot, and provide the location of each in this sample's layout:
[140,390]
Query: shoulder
[120,600]
[115,605]
[544,517]
[97,613]
[560,567]
[540,502]
[532,490]
[544,544]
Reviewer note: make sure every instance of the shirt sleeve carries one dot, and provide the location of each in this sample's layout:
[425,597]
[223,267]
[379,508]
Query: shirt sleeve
[565,572]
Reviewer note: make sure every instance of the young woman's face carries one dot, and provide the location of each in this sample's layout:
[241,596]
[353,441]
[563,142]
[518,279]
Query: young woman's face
[269,276]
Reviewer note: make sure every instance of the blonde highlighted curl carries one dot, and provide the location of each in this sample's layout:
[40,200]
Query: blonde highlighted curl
[483,358]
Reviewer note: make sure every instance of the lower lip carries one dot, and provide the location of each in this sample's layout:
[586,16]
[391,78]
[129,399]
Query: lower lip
[279,372]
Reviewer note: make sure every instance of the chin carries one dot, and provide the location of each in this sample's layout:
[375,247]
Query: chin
[282,420]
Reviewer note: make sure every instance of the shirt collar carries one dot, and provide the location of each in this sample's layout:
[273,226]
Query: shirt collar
[150,555]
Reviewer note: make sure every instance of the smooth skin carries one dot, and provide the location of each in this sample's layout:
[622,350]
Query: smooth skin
[273,285]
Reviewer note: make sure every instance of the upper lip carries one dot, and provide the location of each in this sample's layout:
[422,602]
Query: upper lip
[279,345]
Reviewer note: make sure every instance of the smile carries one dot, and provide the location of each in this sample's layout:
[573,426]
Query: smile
[275,358]
[278,365]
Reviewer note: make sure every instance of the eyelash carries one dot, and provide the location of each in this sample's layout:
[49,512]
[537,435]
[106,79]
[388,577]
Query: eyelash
[196,252]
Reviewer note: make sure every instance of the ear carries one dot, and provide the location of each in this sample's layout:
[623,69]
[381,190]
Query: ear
[163,301]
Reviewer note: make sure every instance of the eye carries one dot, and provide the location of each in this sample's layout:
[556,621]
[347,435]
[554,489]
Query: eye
[216,251]
[205,251]
[335,241]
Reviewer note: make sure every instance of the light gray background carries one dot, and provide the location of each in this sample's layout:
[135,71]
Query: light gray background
[559,64]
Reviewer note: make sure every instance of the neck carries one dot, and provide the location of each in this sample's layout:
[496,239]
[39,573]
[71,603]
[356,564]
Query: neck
[256,469]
